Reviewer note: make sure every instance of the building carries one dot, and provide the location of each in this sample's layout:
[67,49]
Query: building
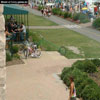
[2,56]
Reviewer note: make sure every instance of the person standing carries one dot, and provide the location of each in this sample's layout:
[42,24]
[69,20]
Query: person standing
[42,10]
[22,32]
[72,93]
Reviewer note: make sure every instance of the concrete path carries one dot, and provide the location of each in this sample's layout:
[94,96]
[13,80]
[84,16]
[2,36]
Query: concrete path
[82,29]
[37,78]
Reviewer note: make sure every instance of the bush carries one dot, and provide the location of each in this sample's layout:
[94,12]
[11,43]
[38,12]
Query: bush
[16,56]
[76,16]
[70,15]
[91,92]
[89,67]
[96,62]
[85,87]
[15,49]
[63,13]
[65,76]
[60,13]
[66,15]
[85,66]
[40,7]
[96,23]
[79,64]
[56,11]
[8,57]
[83,18]
[83,83]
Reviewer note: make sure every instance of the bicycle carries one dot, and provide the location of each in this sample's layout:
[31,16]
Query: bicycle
[29,49]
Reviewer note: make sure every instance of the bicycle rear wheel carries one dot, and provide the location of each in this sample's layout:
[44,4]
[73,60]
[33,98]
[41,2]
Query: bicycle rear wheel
[38,53]
[26,53]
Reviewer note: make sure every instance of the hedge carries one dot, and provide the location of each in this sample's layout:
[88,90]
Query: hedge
[86,88]
[96,23]
[96,62]
[56,11]
[83,18]
[85,66]
[76,16]
[66,15]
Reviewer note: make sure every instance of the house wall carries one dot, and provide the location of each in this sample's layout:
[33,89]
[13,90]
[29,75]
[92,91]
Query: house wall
[2,56]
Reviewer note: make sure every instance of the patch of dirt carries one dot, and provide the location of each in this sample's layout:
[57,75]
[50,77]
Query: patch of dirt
[14,62]
[96,76]
[75,50]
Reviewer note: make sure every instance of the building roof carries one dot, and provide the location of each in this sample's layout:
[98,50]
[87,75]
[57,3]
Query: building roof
[11,9]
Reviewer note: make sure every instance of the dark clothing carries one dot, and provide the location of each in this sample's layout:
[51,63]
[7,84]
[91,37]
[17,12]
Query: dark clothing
[10,28]
[73,98]
[21,36]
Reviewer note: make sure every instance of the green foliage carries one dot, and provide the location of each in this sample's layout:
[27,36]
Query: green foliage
[83,18]
[70,15]
[35,37]
[47,46]
[65,76]
[76,16]
[79,64]
[66,15]
[96,23]
[15,49]
[89,67]
[60,13]
[56,11]
[96,62]
[8,57]
[40,7]
[85,87]
[16,56]
[44,44]
[63,13]
[85,66]
[91,92]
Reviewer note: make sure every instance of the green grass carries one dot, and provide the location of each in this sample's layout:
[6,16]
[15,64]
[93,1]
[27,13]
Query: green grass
[35,20]
[66,37]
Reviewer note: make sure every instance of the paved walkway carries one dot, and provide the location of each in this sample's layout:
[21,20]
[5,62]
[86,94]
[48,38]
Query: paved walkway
[37,79]
[82,29]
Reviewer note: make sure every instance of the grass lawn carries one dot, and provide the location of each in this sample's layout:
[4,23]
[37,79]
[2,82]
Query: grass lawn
[66,37]
[34,20]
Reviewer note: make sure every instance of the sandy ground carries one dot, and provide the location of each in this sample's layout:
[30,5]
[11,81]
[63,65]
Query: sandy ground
[37,79]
